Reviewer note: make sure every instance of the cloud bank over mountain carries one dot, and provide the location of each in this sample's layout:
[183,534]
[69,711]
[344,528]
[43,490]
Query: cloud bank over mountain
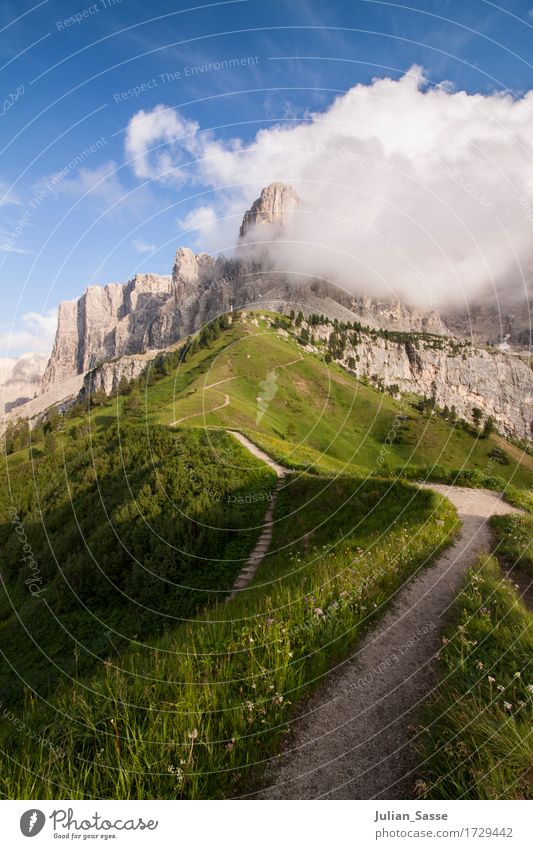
[407,189]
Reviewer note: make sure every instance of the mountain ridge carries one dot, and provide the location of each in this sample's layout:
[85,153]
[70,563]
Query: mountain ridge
[114,330]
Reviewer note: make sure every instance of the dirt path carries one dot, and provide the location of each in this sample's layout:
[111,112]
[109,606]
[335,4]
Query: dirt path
[354,738]
[202,412]
[263,543]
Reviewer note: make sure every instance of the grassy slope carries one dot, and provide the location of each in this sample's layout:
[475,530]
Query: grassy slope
[343,420]
[478,741]
[318,418]
[130,535]
[337,422]
[191,717]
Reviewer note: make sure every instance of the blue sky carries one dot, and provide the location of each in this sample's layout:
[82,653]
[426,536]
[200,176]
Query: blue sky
[75,212]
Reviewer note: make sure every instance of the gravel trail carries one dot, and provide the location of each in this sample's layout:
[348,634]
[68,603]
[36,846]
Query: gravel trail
[263,543]
[355,738]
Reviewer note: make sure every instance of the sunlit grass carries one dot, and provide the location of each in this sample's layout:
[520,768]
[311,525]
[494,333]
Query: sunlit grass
[477,741]
[197,715]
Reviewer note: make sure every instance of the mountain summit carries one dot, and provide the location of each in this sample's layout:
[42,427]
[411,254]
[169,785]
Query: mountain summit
[271,212]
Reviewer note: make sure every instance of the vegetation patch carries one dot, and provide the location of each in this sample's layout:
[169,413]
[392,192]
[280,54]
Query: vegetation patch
[514,536]
[476,741]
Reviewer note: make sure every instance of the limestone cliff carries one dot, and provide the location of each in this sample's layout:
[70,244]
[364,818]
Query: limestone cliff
[454,374]
[270,212]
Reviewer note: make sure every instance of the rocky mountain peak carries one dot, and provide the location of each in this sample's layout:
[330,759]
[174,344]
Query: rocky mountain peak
[190,270]
[273,208]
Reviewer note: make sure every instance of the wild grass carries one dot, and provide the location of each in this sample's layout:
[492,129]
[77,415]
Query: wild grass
[514,535]
[477,741]
[129,532]
[196,715]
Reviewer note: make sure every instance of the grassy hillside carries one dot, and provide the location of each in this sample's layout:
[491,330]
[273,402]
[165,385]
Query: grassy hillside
[138,512]
[197,714]
[126,534]
[255,377]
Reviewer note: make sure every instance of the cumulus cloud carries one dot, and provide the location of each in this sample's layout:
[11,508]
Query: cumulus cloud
[157,143]
[201,225]
[36,334]
[407,190]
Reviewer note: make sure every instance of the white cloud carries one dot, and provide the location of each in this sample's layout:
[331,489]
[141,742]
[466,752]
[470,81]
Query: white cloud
[36,333]
[143,247]
[201,225]
[156,144]
[417,191]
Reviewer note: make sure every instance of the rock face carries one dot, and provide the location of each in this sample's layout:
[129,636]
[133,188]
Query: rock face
[455,375]
[393,315]
[505,321]
[270,212]
[20,379]
[107,376]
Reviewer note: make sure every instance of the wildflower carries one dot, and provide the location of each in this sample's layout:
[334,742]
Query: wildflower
[269,623]
[277,699]
[491,679]
[480,664]
[319,611]
[507,705]
[501,688]
[177,771]
[529,688]
[193,734]
[230,744]
[516,675]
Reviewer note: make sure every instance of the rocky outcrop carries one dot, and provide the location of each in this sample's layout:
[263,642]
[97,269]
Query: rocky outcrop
[454,375]
[502,320]
[270,212]
[20,379]
[106,322]
[59,395]
[392,314]
[107,376]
